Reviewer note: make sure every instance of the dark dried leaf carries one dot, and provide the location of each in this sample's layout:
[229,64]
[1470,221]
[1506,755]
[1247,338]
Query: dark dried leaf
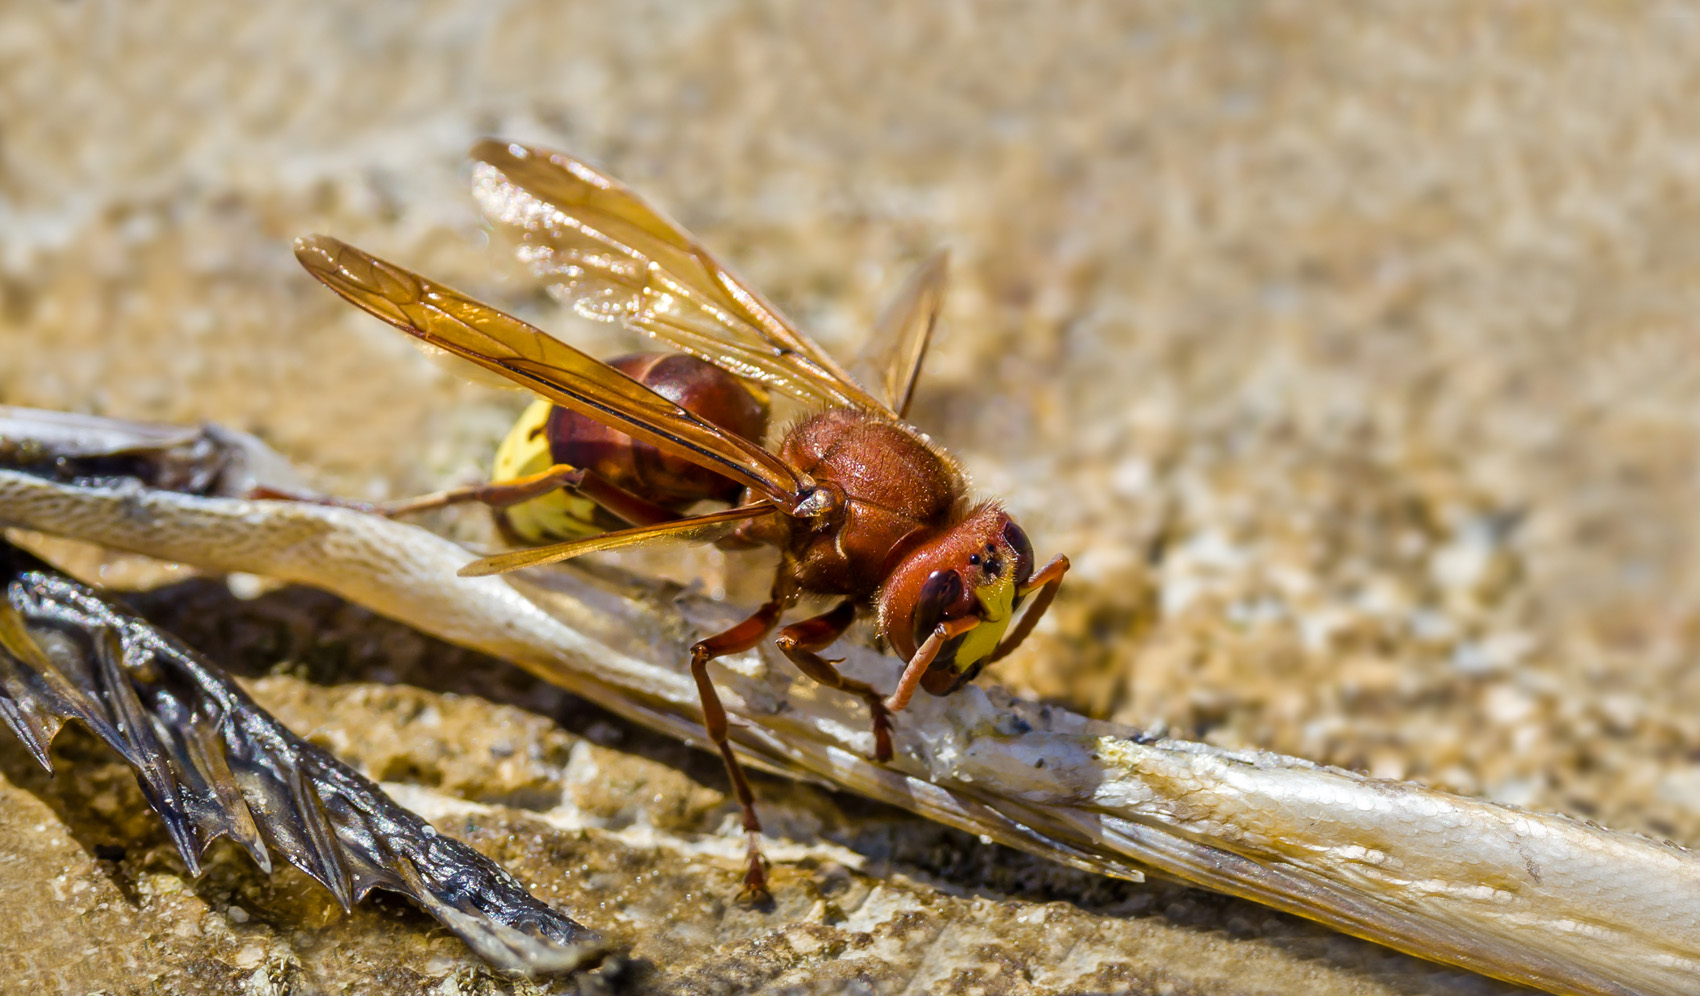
[89,449]
[213,764]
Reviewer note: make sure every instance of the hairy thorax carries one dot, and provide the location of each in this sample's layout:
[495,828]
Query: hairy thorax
[897,492]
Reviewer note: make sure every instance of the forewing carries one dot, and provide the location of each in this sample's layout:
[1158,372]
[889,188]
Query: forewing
[602,248]
[533,359]
[890,361]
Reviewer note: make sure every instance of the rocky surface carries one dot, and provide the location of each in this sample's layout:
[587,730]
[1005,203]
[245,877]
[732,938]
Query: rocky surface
[1347,350]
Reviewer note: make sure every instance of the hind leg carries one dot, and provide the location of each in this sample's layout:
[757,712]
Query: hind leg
[627,506]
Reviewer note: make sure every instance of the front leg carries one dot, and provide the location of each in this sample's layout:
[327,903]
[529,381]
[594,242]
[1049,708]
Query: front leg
[800,641]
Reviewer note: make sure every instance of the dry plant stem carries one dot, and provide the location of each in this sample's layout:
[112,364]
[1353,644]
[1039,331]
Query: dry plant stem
[1538,899]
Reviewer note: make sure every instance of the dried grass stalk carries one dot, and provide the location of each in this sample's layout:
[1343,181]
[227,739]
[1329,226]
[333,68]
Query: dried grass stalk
[1538,899]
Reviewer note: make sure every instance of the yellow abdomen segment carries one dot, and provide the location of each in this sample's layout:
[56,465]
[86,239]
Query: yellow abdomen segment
[558,515]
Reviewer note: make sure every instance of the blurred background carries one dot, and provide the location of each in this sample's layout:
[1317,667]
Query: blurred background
[1348,350]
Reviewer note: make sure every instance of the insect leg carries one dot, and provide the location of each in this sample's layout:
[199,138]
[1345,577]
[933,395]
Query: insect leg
[632,508]
[499,494]
[736,640]
[1046,582]
[496,494]
[800,640]
[263,492]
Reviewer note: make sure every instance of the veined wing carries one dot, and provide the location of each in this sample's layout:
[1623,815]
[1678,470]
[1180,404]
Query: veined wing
[610,254]
[890,361]
[535,360]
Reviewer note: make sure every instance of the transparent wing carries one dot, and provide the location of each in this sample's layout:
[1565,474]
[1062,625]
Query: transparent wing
[709,525]
[533,359]
[890,361]
[602,248]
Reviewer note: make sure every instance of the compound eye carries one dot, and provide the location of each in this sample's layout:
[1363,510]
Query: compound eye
[1017,539]
[942,590]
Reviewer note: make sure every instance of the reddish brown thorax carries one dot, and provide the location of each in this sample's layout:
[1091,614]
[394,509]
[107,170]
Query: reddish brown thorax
[900,536]
[696,385]
[893,489]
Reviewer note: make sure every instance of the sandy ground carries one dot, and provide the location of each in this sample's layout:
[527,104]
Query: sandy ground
[1346,348]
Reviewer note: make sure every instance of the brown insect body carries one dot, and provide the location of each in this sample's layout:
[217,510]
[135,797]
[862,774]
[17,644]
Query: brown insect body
[859,504]
[891,491]
[900,523]
[662,476]
[900,536]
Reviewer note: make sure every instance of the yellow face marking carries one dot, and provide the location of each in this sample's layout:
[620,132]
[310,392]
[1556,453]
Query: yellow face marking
[558,515]
[997,605]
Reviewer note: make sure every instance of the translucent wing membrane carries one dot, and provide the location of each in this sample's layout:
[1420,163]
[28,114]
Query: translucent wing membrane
[602,248]
[526,355]
[890,361]
[213,764]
